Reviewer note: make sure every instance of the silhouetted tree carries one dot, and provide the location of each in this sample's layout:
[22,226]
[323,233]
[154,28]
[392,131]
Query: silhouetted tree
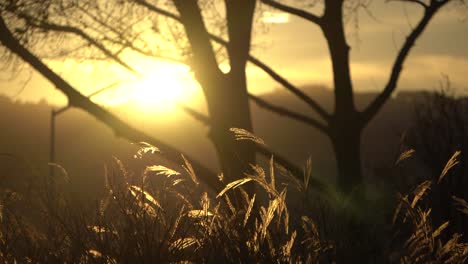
[225,93]
[95,26]
[345,125]
[107,27]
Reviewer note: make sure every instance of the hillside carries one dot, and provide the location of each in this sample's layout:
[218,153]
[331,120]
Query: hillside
[84,145]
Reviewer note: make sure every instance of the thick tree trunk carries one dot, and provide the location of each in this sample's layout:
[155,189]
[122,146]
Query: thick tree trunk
[236,160]
[346,141]
[345,125]
[226,94]
[334,32]
[230,109]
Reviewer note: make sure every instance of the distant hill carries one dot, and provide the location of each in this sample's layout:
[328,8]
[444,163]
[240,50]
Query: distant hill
[84,145]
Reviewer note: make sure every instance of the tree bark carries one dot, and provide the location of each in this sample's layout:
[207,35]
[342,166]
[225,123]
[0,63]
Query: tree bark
[345,126]
[333,30]
[226,94]
[346,142]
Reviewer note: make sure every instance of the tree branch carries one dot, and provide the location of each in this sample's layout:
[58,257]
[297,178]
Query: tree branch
[268,70]
[204,60]
[285,112]
[123,40]
[158,10]
[295,11]
[418,2]
[76,99]
[73,30]
[239,29]
[380,100]
[301,95]
[275,76]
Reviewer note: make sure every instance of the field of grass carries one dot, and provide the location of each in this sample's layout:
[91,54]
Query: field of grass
[169,216]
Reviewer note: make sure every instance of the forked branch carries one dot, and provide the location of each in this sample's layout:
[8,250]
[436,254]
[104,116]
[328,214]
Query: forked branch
[268,70]
[380,100]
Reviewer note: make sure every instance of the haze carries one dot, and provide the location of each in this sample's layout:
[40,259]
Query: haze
[442,50]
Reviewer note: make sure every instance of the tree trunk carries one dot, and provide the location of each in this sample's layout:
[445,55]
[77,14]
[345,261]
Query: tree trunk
[345,126]
[226,94]
[232,100]
[346,141]
[229,108]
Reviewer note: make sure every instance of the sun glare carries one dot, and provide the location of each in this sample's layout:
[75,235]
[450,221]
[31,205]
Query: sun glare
[156,87]
[161,87]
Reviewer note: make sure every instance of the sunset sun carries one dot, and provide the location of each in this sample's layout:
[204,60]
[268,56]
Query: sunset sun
[161,86]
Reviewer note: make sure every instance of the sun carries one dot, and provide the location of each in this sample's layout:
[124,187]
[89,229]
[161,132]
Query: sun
[155,87]
[162,86]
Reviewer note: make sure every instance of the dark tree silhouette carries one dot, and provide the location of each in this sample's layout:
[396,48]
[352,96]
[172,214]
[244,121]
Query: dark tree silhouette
[226,93]
[345,125]
[110,30]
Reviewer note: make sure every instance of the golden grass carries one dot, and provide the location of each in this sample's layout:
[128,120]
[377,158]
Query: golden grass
[168,216]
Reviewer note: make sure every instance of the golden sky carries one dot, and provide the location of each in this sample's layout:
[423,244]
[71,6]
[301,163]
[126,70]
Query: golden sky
[294,48]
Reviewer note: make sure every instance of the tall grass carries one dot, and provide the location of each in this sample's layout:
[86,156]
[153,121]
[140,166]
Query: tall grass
[162,216]
[165,215]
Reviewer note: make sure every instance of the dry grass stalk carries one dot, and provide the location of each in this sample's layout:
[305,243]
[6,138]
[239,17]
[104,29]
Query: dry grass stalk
[405,155]
[242,134]
[189,169]
[450,164]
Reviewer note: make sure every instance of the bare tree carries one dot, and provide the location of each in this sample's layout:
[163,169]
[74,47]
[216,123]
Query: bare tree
[117,28]
[345,125]
[93,25]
